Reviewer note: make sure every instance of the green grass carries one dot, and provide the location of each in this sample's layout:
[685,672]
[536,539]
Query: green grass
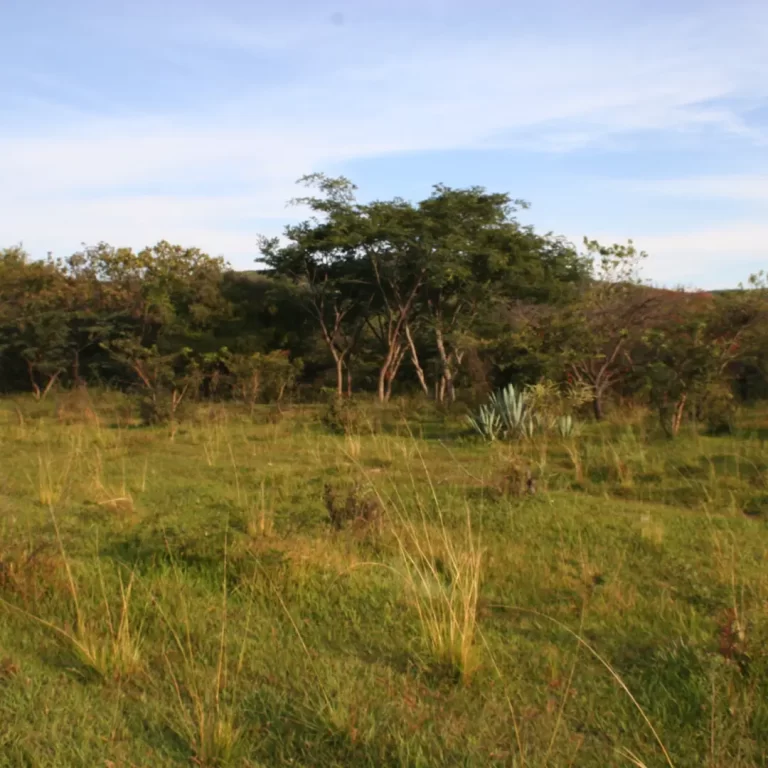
[182,600]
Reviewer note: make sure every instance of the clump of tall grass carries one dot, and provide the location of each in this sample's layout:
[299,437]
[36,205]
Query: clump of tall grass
[442,572]
[575,455]
[108,642]
[443,578]
[260,515]
[115,497]
[51,483]
[104,639]
[205,712]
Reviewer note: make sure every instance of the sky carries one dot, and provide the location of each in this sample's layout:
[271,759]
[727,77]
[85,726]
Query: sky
[132,122]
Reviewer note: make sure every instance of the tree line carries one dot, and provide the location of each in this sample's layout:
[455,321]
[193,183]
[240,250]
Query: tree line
[449,296]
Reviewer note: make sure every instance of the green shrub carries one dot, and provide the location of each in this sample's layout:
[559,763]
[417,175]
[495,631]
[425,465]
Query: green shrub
[718,408]
[342,417]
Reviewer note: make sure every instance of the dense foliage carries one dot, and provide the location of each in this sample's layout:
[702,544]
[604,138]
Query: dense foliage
[445,296]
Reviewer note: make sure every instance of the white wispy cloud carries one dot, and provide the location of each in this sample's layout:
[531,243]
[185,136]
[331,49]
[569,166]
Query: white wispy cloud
[365,89]
[223,225]
[711,254]
[740,187]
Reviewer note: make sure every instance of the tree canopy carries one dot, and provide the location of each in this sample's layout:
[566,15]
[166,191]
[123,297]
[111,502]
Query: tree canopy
[448,294]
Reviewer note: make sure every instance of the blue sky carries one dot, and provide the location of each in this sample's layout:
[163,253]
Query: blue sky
[131,122]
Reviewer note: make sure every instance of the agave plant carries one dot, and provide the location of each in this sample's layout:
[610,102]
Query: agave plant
[486,422]
[514,413]
[510,406]
[565,426]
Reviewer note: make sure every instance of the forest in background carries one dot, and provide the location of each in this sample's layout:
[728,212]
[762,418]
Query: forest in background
[450,297]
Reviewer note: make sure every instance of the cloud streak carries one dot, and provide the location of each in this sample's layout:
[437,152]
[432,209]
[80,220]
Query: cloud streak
[751,188]
[368,88]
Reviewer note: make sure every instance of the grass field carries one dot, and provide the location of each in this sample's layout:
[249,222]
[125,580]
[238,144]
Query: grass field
[257,591]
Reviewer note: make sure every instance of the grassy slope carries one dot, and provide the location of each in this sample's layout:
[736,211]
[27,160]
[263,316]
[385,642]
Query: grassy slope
[220,618]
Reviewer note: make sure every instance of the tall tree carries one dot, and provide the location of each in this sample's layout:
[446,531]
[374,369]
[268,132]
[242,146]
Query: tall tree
[393,244]
[408,271]
[479,256]
[321,260]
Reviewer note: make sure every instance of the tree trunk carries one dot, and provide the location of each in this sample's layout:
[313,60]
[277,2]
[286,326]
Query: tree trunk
[35,387]
[597,405]
[387,372]
[339,376]
[458,357]
[394,367]
[349,381]
[677,419]
[37,393]
[382,386]
[415,360]
[396,322]
[450,391]
[446,387]
[51,381]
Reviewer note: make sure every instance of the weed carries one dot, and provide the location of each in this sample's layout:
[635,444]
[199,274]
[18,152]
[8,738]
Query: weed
[30,574]
[517,478]
[356,507]
[50,482]
[104,641]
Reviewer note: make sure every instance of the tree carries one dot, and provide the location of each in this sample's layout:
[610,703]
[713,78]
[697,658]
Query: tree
[321,261]
[165,380]
[747,310]
[391,238]
[355,266]
[251,375]
[685,357]
[407,271]
[591,338]
[163,290]
[35,306]
[479,258]
[691,354]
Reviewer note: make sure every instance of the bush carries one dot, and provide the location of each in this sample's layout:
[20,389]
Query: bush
[342,417]
[163,407]
[718,409]
[76,407]
[255,377]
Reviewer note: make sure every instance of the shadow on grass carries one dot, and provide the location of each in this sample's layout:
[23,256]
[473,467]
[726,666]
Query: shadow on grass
[158,551]
[285,729]
[152,728]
